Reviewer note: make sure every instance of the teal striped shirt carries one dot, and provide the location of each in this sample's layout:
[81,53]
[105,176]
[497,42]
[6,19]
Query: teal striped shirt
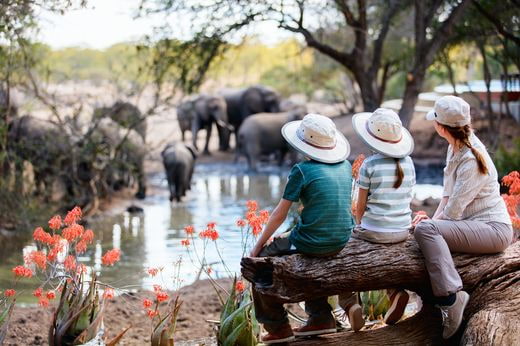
[388,208]
[326,221]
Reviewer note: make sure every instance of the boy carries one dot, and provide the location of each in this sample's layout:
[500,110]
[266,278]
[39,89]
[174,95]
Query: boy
[323,184]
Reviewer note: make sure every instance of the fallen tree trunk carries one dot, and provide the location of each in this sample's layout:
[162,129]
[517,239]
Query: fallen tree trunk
[493,281]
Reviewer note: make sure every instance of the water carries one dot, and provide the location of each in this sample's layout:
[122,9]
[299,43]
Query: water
[153,238]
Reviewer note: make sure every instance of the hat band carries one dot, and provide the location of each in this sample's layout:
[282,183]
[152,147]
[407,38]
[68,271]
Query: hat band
[382,139]
[300,136]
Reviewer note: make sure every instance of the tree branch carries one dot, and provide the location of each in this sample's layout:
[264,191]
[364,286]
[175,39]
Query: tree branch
[496,23]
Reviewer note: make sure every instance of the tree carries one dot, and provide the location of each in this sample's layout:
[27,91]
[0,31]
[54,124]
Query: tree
[356,41]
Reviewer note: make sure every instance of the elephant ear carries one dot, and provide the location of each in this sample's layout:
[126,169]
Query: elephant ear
[192,150]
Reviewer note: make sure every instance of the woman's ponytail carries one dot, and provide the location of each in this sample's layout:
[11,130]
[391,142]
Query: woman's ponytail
[463,134]
[399,173]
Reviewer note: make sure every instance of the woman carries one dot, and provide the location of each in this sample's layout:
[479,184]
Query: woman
[472,216]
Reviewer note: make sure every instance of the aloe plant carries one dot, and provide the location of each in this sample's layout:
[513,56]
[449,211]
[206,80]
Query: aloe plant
[79,315]
[6,310]
[163,333]
[238,324]
[375,303]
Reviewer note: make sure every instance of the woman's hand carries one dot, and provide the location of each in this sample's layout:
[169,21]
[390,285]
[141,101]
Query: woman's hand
[420,216]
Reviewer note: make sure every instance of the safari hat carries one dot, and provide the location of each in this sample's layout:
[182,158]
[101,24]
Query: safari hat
[316,136]
[383,132]
[451,111]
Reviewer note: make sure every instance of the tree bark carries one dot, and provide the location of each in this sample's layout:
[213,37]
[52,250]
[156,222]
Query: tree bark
[491,280]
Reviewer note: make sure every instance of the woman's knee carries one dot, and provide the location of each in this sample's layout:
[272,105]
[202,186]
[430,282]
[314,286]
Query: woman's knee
[425,229]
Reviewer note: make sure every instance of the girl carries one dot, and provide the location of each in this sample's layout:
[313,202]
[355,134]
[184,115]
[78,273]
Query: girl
[472,216]
[385,183]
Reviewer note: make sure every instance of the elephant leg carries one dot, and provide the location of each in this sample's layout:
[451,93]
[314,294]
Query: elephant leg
[171,182]
[195,127]
[208,136]
[281,157]
[183,136]
[179,177]
[190,176]
[18,177]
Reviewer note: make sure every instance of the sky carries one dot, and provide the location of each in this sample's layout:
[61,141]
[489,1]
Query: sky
[106,22]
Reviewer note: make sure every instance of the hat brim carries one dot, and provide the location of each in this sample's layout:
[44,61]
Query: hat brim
[431,115]
[339,153]
[397,150]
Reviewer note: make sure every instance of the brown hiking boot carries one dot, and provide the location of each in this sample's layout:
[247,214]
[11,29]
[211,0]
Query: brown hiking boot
[398,302]
[310,329]
[282,334]
[355,317]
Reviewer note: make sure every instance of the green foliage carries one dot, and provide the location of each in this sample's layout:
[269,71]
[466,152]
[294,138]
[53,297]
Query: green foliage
[6,310]
[238,324]
[375,304]
[508,160]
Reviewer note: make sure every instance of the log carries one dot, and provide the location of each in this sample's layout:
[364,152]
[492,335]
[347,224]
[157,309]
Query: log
[493,281]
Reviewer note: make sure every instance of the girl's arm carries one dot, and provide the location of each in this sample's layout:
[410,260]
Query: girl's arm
[440,208]
[361,204]
[277,217]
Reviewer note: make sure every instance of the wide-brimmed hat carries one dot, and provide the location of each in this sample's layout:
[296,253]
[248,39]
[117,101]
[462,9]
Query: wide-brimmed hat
[383,131]
[451,111]
[316,136]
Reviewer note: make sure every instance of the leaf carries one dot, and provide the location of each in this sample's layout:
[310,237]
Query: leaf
[117,338]
[227,325]
[230,303]
[231,339]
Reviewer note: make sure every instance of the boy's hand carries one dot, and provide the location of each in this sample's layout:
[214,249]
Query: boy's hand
[254,252]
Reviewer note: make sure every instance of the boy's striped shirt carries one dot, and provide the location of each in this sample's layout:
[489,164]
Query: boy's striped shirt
[388,208]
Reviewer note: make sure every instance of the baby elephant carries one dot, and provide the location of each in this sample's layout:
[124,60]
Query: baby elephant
[260,135]
[179,162]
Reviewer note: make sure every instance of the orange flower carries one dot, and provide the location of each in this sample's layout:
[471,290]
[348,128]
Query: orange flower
[43,302]
[209,234]
[212,225]
[81,247]
[185,242]
[153,271]
[209,270]
[152,313]
[111,257]
[252,205]
[357,165]
[70,263]
[21,271]
[38,292]
[239,286]
[509,179]
[241,223]
[511,203]
[189,230]
[38,258]
[73,216]
[147,303]
[55,222]
[51,295]
[264,216]
[72,232]
[161,296]
[57,248]
[88,236]
[9,293]
[81,269]
[41,236]
[516,222]
[108,294]
[157,288]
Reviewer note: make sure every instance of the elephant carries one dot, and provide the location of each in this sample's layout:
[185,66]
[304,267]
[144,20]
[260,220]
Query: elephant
[200,112]
[245,102]
[126,115]
[44,145]
[119,154]
[260,134]
[179,163]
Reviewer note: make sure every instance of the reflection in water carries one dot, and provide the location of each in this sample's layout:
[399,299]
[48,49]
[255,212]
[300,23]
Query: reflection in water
[152,238]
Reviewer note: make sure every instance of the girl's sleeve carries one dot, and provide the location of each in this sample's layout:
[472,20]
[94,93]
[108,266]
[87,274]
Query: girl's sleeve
[364,176]
[294,186]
